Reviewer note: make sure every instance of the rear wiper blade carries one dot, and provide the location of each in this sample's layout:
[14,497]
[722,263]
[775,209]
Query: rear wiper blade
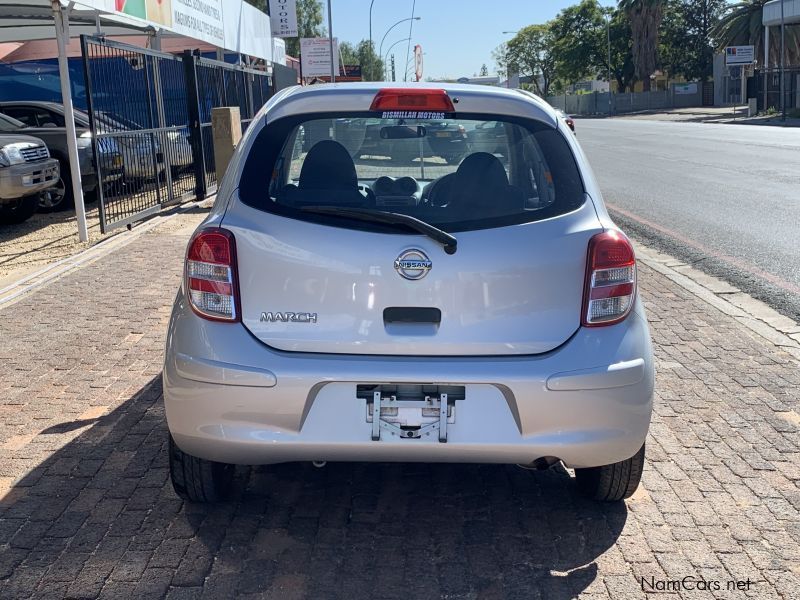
[449,242]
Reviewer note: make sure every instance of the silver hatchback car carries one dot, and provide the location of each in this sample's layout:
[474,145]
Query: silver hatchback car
[405,309]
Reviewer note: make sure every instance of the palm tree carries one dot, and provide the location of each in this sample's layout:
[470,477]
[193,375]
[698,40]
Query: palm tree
[645,17]
[741,25]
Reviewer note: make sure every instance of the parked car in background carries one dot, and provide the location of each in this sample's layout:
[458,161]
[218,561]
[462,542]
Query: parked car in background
[486,312]
[175,144]
[137,150]
[443,139]
[26,169]
[489,136]
[59,197]
[567,119]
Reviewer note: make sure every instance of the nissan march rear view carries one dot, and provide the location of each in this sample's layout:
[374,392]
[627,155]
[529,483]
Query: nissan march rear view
[379,301]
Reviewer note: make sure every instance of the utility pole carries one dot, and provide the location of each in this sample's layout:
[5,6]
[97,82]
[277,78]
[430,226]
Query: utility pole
[371,49]
[393,74]
[783,64]
[608,36]
[330,41]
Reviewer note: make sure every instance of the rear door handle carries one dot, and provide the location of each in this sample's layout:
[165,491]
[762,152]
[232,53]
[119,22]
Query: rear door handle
[412,315]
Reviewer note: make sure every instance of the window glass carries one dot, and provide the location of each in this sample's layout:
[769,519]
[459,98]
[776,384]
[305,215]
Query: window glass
[9,124]
[464,173]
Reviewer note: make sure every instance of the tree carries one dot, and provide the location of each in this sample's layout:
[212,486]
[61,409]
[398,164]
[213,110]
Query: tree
[673,51]
[581,46]
[484,70]
[362,54]
[309,22]
[645,16]
[741,25]
[371,63]
[582,34]
[622,69]
[687,45]
[348,54]
[530,53]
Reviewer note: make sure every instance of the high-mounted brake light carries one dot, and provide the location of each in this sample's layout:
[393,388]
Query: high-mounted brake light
[412,99]
[210,277]
[610,280]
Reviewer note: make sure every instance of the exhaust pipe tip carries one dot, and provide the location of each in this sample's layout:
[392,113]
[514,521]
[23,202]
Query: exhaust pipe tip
[541,464]
[319,463]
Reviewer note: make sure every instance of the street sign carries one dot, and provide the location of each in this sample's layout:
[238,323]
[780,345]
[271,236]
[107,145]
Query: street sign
[740,55]
[315,56]
[283,16]
[418,61]
[685,88]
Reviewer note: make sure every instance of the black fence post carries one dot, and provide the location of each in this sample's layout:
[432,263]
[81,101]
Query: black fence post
[98,167]
[195,130]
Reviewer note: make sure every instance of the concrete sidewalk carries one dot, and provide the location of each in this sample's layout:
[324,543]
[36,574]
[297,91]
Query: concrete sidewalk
[711,114]
[87,510]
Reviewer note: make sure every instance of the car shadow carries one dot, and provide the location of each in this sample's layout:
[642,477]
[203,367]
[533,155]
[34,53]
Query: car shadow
[99,515]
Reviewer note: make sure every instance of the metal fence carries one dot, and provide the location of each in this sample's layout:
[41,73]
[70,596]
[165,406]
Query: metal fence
[766,87]
[212,84]
[603,103]
[150,115]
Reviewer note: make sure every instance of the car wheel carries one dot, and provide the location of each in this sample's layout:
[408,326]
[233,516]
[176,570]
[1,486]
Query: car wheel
[59,197]
[18,211]
[452,159]
[611,483]
[198,480]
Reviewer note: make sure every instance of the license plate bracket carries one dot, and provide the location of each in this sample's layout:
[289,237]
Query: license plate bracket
[445,411]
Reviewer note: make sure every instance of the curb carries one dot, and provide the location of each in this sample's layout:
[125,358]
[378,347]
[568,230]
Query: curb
[753,314]
[40,278]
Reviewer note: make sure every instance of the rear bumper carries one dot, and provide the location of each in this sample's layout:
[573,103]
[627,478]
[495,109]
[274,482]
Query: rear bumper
[27,179]
[230,398]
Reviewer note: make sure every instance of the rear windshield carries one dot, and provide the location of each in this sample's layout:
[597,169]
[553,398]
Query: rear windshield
[458,174]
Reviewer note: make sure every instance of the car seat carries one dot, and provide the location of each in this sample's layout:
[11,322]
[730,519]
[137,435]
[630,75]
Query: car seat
[328,176]
[479,186]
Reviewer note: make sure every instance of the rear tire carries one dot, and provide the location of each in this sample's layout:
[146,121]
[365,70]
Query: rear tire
[18,211]
[196,479]
[612,483]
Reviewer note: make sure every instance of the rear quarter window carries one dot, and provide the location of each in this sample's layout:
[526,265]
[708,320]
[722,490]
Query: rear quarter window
[459,174]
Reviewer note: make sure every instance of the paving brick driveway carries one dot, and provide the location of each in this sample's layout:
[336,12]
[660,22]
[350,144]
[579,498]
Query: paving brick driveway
[87,510]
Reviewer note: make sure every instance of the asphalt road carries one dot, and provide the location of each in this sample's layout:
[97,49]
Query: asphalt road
[724,197]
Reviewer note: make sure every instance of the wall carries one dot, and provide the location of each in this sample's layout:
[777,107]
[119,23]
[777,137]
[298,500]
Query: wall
[603,103]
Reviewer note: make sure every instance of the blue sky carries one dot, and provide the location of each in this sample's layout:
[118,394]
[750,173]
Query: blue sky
[457,36]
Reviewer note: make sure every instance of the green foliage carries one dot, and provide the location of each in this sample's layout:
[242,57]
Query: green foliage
[348,54]
[362,54]
[686,43]
[530,53]
[741,24]
[581,46]
[585,34]
[371,63]
[622,69]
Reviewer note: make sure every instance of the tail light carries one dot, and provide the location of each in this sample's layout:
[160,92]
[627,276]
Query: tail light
[412,99]
[210,279]
[610,280]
